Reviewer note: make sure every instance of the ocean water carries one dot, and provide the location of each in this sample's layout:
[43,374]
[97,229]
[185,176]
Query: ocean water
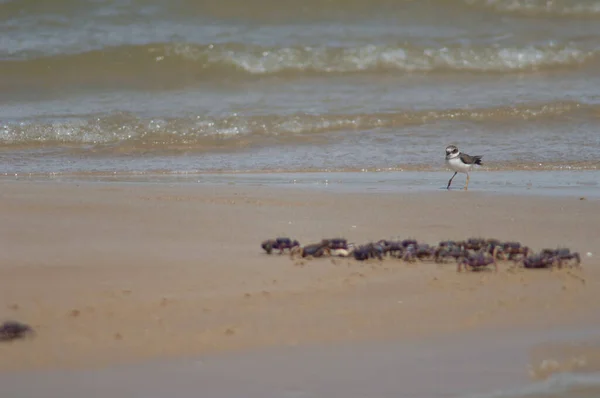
[103,86]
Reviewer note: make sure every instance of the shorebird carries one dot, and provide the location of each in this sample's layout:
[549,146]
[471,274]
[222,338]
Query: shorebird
[460,163]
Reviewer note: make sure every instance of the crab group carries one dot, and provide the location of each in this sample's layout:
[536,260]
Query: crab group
[471,254]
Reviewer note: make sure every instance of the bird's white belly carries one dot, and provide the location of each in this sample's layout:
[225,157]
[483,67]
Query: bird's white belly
[457,165]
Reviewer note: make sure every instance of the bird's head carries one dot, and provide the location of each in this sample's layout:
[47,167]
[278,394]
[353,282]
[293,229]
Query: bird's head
[451,150]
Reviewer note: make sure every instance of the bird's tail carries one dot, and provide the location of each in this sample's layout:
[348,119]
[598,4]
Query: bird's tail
[478,160]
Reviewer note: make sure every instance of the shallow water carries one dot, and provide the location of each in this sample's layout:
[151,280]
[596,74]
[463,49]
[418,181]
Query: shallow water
[578,184]
[133,85]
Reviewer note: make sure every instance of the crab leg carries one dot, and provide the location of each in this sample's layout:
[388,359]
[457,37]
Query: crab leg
[577,259]
[494,253]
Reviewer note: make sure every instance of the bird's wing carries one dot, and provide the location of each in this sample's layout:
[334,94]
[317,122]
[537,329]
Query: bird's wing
[468,159]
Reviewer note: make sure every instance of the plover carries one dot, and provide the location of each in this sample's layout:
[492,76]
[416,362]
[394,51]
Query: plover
[460,163]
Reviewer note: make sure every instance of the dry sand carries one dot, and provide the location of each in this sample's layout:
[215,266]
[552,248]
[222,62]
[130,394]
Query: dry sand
[118,273]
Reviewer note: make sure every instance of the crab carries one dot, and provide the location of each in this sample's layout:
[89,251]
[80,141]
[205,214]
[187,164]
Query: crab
[371,250]
[424,251]
[313,250]
[513,249]
[419,251]
[478,261]
[493,242]
[539,261]
[339,247]
[12,330]
[407,242]
[475,244]
[391,247]
[494,245]
[279,243]
[569,256]
[267,245]
[562,254]
[444,252]
[338,243]
[448,243]
[343,252]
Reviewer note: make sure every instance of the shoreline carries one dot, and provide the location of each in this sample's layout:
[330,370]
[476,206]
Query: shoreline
[562,183]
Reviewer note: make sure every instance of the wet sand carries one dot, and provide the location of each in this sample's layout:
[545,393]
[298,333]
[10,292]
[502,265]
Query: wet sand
[111,274]
[474,365]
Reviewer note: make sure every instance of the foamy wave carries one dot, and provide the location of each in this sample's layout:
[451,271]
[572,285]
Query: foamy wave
[178,65]
[541,7]
[129,132]
[374,58]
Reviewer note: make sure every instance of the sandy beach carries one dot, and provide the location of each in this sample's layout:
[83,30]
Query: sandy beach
[119,273]
[147,148]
